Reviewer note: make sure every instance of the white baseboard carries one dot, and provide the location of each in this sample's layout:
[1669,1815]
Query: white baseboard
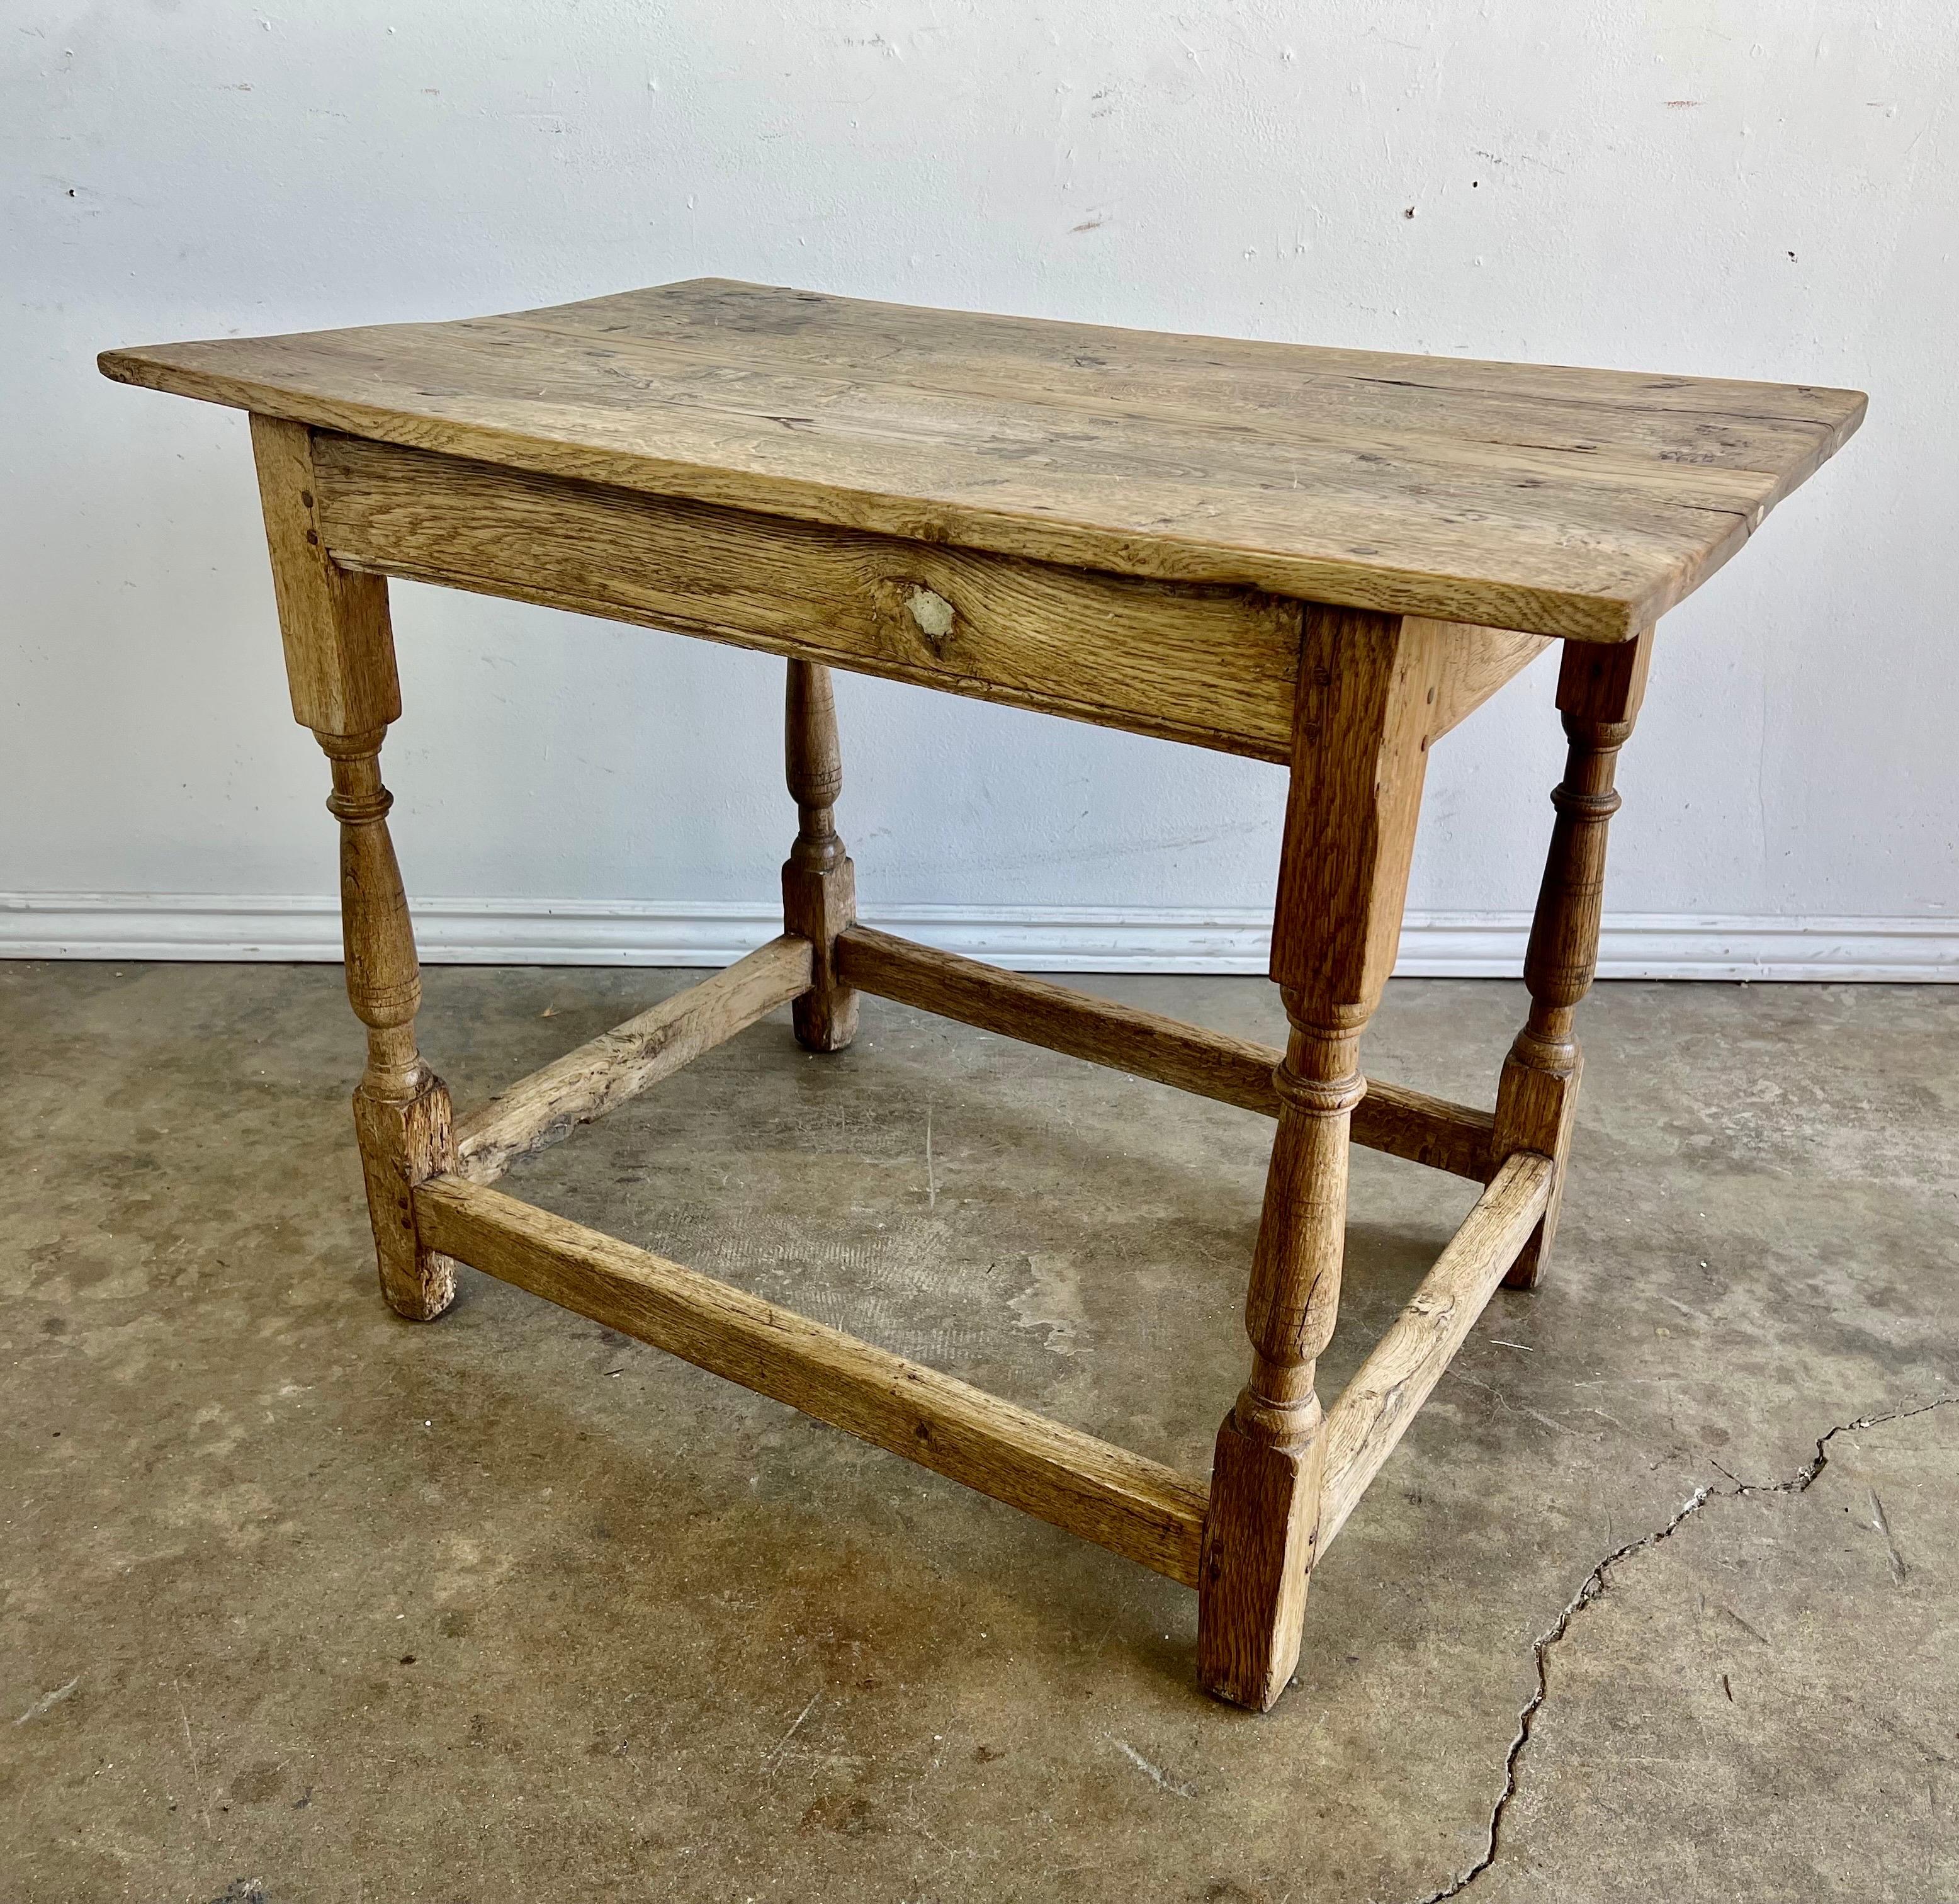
[1085,938]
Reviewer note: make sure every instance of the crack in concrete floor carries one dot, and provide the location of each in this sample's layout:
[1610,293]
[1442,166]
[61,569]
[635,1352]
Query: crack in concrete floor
[1593,1585]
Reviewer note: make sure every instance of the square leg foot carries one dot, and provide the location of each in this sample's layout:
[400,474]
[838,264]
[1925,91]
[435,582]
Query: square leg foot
[1259,1539]
[404,1142]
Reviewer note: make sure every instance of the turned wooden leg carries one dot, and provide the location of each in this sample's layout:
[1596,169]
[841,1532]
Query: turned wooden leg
[1599,688]
[819,883]
[1260,1533]
[340,665]
[1364,715]
[402,1111]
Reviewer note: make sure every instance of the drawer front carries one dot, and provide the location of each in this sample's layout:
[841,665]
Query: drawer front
[1212,665]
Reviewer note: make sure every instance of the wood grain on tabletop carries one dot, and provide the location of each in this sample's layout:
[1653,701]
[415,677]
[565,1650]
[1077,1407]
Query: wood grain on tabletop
[1556,500]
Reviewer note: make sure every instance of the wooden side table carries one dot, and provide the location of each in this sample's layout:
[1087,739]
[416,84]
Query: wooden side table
[1326,558]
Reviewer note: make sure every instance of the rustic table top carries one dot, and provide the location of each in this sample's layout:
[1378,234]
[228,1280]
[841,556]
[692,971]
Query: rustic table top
[1558,501]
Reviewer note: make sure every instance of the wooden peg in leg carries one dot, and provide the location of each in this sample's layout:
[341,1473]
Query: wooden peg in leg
[340,666]
[1599,688]
[819,883]
[1364,713]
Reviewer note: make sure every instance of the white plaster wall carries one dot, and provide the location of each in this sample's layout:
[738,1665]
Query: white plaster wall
[1750,187]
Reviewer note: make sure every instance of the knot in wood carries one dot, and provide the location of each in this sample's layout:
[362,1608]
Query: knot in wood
[932,612]
[1319,1097]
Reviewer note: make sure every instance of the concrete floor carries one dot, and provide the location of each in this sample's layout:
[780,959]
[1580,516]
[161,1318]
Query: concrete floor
[303,1604]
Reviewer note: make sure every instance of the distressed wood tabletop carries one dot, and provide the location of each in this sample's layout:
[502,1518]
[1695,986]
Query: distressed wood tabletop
[1558,501]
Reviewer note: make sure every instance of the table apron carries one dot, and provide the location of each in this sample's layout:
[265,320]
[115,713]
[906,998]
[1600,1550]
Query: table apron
[1203,663]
